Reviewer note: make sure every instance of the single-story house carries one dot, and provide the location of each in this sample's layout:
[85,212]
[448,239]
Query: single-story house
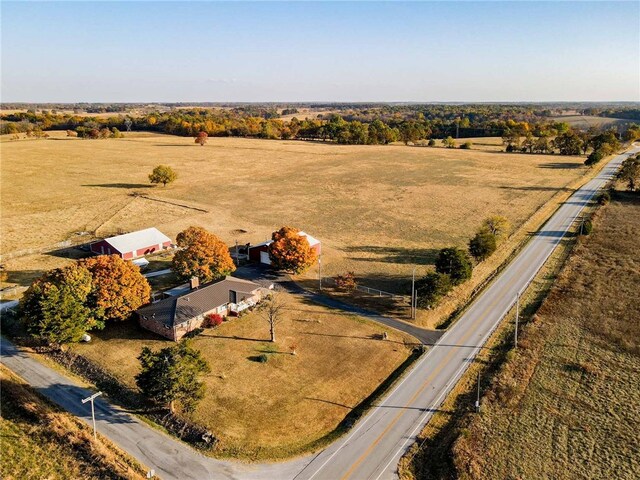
[186,307]
[260,252]
[132,245]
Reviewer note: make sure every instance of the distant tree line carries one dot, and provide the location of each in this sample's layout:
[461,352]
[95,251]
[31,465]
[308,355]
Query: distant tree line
[522,128]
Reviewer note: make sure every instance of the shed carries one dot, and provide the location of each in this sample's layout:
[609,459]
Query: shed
[132,245]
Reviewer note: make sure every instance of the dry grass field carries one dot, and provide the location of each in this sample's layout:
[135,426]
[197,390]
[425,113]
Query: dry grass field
[567,405]
[40,441]
[586,121]
[378,209]
[288,404]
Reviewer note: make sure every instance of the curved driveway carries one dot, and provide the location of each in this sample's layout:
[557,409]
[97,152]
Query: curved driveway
[372,449]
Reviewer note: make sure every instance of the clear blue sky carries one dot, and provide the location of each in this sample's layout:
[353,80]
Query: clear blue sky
[431,51]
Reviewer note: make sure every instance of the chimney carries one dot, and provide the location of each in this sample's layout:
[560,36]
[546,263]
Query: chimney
[194,283]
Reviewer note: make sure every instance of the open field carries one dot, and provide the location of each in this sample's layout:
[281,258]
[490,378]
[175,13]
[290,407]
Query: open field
[378,209]
[586,121]
[566,405]
[40,441]
[281,407]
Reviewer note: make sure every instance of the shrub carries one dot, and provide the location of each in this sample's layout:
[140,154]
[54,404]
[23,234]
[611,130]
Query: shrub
[586,227]
[213,320]
[456,263]
[466,146]
[604,198]
[431,142]
[346,281]
[594,157]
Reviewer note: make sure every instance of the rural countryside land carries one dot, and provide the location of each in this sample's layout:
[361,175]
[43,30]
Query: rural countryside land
[320,240]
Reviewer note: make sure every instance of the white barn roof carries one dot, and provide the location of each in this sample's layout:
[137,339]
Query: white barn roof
[130,242]
[312,241]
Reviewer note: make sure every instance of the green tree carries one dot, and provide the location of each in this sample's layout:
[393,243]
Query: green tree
[431,288]
[163,174]
[630,172]
[482,245]
[595,156]
[202,254]
[568,143]
[54,307]
[171,376]
[456,263]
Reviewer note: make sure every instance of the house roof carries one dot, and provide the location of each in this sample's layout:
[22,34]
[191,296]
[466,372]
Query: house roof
[136,240]
[182,308]
[312,240]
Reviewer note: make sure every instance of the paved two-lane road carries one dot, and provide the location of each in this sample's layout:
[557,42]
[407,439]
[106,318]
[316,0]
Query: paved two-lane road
[372,449]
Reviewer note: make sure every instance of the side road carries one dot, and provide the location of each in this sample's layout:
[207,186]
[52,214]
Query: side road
[170,458]
[264,275]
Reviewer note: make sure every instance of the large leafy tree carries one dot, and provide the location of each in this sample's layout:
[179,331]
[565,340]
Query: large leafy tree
[431,288]
[202,254]
[568,143]
[454,262]
[55,308]
[630,172]
[118,287]
[291,251]
[482,245]
[172,375]
[498,226]
[163,174]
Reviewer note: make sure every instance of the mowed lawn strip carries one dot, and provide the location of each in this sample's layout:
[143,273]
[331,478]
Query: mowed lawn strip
[277,408]
[377,209]
[40,441]
[567,405]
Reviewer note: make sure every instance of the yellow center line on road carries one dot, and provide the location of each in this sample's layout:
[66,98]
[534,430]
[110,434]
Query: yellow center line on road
[437,370]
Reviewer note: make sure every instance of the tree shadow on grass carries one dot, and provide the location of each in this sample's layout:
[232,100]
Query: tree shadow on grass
[401,255]
[22,278]
[119,185]
[561,165]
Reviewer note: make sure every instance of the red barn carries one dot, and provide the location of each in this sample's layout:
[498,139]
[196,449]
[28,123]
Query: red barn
[260,252]
[132,245]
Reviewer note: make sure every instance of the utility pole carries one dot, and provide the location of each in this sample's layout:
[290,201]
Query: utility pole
[93,412]
[517,318]
[478,397]
[413,294]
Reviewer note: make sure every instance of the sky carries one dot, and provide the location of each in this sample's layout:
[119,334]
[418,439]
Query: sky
[320,51]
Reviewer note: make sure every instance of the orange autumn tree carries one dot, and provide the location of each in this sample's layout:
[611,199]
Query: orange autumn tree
[118,287]
[290,251]
[202,255]
[201,138]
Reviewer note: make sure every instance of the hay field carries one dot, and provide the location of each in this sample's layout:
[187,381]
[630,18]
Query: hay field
[566,405]
[377,209]
[287,405]
[586,121]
